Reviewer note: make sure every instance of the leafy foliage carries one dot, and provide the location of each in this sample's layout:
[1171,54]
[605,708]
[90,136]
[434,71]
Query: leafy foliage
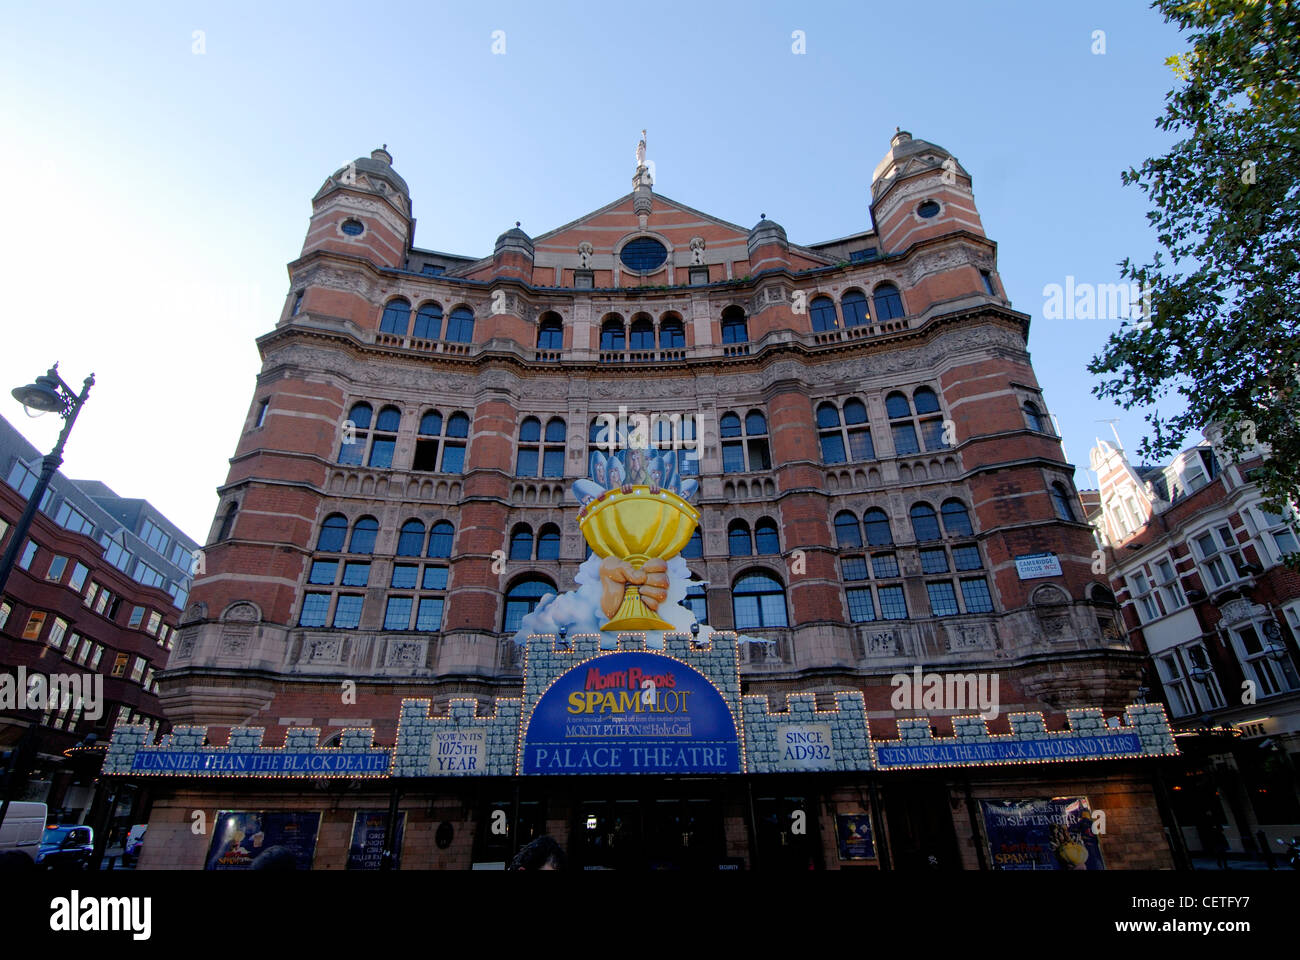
[1225,283]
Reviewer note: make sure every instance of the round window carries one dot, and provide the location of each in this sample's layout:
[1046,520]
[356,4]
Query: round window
[643,254]
[353,228]
[928,209]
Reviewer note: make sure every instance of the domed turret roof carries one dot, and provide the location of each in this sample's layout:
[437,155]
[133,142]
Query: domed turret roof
[902,148]
[379,166]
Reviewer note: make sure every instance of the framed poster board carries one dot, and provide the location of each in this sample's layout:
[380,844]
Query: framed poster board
[1053,834]
[853,834]
[263,840]
[366,851]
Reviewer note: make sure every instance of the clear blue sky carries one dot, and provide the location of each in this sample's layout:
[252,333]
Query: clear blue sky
[155,194]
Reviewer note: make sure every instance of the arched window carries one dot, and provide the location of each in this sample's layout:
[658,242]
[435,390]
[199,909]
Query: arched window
[611,335]
[734,327]
[758,600]
[332,534]
[672,334]
[548,542]
[523,598]
[830,436]
[460,325]
[745,449]
[888,302]
[925,525]
[695,546]
[397,317]
[364,532]
[925,400]
[440,536]
[896,406]
[453,446]
[428,322]
[410,539]
[847,531]
[384,443]
[766,539]
[956,520]
[642,336]
[1061,501]
[228,520]
[1035,417]
[550,332]
[822,310]
[876,522]
[521,542]
[854,436]
[739,543]
[854,305]
[352,447]
[430,442]
[534,452]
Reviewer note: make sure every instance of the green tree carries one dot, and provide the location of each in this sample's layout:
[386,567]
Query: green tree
[1224,284]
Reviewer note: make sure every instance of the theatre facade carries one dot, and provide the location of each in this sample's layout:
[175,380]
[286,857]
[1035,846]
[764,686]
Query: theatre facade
[686,545]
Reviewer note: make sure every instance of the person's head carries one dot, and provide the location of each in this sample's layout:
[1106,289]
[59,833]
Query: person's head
[541,854]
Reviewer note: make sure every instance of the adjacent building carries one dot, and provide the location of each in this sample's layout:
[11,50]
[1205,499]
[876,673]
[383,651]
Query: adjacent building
[96,595]
[1196,559]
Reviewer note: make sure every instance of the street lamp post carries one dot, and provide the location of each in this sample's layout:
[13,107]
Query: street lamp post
[48,394]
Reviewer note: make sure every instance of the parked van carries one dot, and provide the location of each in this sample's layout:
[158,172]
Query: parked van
[23,828]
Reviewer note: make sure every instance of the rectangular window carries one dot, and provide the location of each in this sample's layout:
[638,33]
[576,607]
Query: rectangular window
[4,529]
[79,574]
[429,617]
[854,568]
[137,617]
[57,566]
[733,457]
[435,578]
[905,439]
[347,611]
[94,661]
[29,554]
[314,608]
[884,565]
[967,557]
[932,432]
[148,575]
[119,666]
[381,452]
[405,576]
[34,624]
[433,270]
[70,518]
[57,631]
[426,455]
[356,574]
[397,615]
[297,303]
[323,571]
[943,599]
[153,535]
[86,647]
[453,458]
[1280,532]
[70,648]
[553,463]
[90,593]
[860,445]
[699,276]
[105,597]
[1169,586]
[934,560]
[526,462]
[261,412]
[988,283]
[137,671]
[975,592]
[155,621]
[115,553]
[22,479]
[5,610]
[893,605]
[861,607]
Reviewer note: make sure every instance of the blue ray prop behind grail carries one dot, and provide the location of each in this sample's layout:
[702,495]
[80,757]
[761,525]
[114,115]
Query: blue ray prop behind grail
[634,512]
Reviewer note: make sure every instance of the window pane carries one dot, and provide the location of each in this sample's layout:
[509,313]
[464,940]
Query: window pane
[746,610]
[453,458]
[347,611]
[356,575]
[832,447]
[772,609]
[847,532]
[405,576]
[956,521]
[733,458]
[410,542]
[943,599]
[435,578]
[967,557]
[440,539]
[323,571]
[977,597]
[526,463]
[430,614]
[905,439]
[853,568]
[758,457]
[860,445]
[893,606]
[932,431]
[861,606]
[884,565]
[766,539]
[314,607]
[397,615]
[553,463]
[877,527]
[934,561]
[363,535]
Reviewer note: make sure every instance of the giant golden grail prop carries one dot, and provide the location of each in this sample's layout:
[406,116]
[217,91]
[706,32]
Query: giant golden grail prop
[638,527]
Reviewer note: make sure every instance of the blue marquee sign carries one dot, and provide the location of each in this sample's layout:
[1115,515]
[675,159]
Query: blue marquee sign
[631,712]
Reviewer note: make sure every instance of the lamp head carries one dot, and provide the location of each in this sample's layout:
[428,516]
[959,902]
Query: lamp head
[695,629]
[44,395]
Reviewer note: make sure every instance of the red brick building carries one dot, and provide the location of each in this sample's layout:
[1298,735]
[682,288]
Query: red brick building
[1196,559]
[879,483]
